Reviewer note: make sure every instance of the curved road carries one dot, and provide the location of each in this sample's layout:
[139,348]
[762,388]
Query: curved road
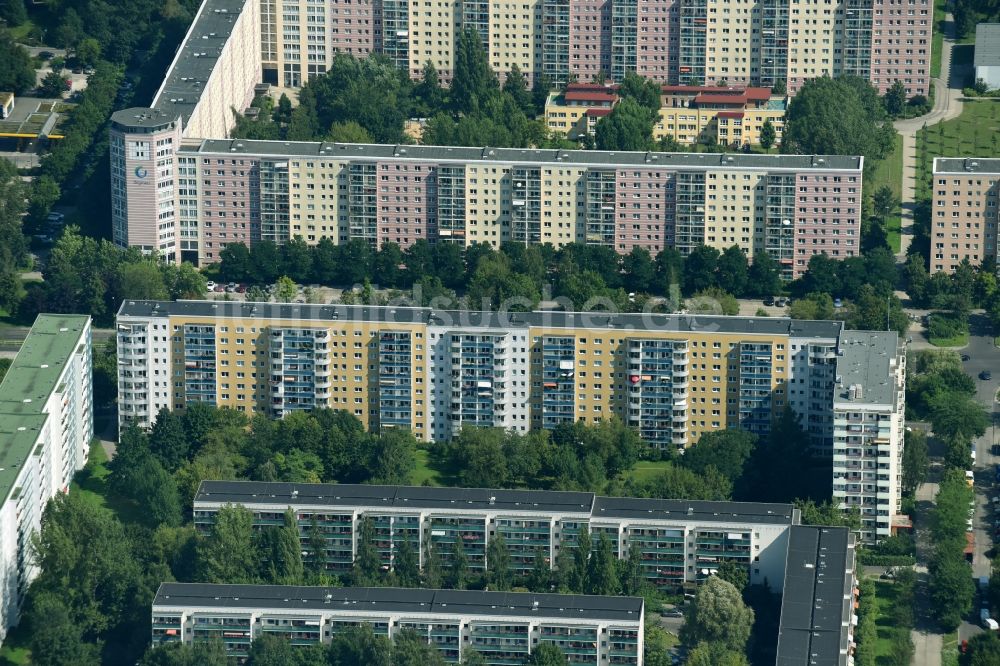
[947,105]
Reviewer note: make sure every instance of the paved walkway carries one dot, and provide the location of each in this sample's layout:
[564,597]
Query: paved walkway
[947,105]
[926,639]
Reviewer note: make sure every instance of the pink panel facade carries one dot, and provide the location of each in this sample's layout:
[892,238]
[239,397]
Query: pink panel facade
[657,39]
[644,199]
[589,38]
[230,203]
[407,202]
[352,26]
[827,218]
[901,44]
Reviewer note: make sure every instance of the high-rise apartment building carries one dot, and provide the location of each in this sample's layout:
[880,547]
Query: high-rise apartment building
[46,425]
[964,212]
[672,378]
[791,206]
[504,627]
[686,42]
[181,193]
[679,541]
[868,425]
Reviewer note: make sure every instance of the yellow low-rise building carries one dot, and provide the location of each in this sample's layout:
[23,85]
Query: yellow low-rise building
[732,116]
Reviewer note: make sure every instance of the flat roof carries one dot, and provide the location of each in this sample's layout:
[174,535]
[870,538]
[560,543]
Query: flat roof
[695,510]
[399,601]
[987,53]
[30,380]
[864,359]
[588,158]
[968,165]
[817,597]
[196,58]
[395,497]
[306,314]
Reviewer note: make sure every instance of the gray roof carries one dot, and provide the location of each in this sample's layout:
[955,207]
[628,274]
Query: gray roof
[131,119]
[636,508]
[864,359]
[197,57]
[987,45]
[305,315]
[817,598]
[355,152]
[396,497]
[970,165]
[399,600]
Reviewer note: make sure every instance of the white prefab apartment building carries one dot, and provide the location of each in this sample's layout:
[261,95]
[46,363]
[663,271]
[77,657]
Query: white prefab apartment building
[504,627]
[868,428]
[46,424]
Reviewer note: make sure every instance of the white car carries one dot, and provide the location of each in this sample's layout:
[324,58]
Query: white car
[210,285]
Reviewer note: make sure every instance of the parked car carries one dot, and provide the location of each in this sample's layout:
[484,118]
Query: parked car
[210,285]
[769,300]
[965,357]
[837,303]
[46,55]
[219,289]
[985,375]
[241,289]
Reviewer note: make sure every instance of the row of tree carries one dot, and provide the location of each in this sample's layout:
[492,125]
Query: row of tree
[951,585]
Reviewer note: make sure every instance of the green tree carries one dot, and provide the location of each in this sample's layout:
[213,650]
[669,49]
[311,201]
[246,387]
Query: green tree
[779,87]
[732,271]
[457,576]
[581,561]
[767,134]
[367,562]
[143,281]
[432,576]
[983,650]
[472,83]
[895,99]
[285,290]
[951,587]
[17,73]
[13,12]
[226,554]
[764,276]
[841,116]
[184,281]
[958,418]
[602,569]
[884,202]
[718,616]
[498,563]
[235,263]
[406,566]
[428,92]
[280,552]
[547,654]
[640,271]
[168,441]
[817,305]
[645,92]
[316,549]
[726,450]
[349,131]
[712,654]
[393,457]
[203,653]
[735,574]
[516,85]
[699,268]
[88,51]
[627,127]
[409,648]
[713,300]
[56,638]
[360,645]
[53,85]
[916,462]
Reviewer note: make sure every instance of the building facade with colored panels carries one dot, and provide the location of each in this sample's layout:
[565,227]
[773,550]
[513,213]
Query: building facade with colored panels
[964,212]
[671,378]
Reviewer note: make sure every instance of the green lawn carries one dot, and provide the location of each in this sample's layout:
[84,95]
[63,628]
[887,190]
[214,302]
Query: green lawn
[424,471]
[938,39]
[90,483]
[972,134]
[949,649]
[890,172]
[15,650]
[956,341]
[645,470]
[885,597]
